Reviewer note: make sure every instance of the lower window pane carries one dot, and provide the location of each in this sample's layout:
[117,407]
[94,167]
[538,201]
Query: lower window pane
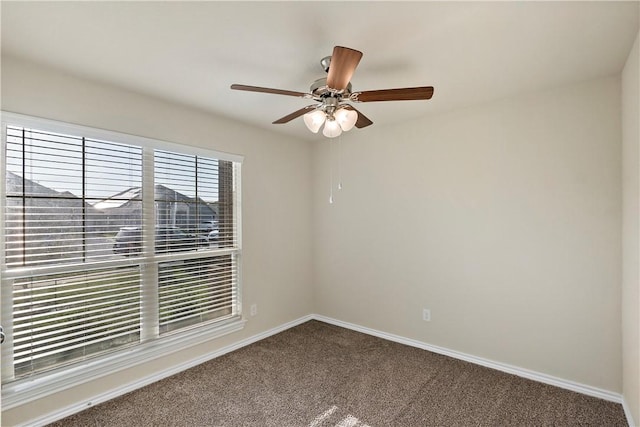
[196,291]
[63,318]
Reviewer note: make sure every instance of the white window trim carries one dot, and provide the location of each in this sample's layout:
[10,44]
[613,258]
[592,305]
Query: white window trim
[103,134]
[41,385]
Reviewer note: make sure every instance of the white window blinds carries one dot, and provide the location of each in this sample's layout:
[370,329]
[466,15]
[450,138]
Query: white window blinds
[196,291]
[66,196]
[66,317]
[78,214]
[195,194]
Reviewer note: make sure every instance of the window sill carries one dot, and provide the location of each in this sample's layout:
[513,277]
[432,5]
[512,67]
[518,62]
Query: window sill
[29,389]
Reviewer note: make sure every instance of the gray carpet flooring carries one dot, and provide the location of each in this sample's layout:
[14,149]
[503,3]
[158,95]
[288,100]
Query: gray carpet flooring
[320,375]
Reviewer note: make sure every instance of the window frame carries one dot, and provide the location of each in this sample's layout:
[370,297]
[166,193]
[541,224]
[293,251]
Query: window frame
[151,345]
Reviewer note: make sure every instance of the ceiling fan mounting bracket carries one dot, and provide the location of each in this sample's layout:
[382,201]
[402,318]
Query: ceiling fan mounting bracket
[325,62]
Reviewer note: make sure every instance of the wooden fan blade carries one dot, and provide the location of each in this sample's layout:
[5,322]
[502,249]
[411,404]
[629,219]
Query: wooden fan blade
[268,90]
[295,114]
[343,63]
[404,94]
[363,121]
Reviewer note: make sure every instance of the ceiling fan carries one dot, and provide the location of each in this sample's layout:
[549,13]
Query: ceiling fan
[333,94]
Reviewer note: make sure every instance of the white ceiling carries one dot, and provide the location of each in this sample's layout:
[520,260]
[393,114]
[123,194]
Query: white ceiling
[191,52]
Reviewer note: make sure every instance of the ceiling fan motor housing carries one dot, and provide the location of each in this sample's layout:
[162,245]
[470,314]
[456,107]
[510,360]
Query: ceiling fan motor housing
[319,89]
[330,99]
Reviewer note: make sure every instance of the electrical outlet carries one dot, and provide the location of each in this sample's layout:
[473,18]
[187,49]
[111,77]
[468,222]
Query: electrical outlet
[253,310]
[426,315]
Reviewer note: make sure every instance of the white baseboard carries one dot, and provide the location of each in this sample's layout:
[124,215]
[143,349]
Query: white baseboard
[627,413]
[126,388]
[521,372]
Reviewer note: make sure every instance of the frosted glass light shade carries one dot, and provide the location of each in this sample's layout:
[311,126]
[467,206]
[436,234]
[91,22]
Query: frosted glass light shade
[331,128]
[346,118]
[314,120]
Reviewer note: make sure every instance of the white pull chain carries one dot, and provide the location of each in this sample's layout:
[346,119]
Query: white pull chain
[339,166]
[340,162]
[330,172]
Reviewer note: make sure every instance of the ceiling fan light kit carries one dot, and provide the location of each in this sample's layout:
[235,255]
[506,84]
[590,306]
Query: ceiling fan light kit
[346,118]
[333,94]
[314,120]
[331,128]
[336,119]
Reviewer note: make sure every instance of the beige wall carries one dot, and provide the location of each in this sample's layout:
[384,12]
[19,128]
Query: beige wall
[631,232]
[276,265]
[503,219]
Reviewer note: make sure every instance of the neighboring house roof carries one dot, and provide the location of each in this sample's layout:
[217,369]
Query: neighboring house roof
[119,199]
[14,183]
[124,199]
[120,203]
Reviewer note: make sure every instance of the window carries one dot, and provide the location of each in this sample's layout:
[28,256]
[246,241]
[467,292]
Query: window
[111,242]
